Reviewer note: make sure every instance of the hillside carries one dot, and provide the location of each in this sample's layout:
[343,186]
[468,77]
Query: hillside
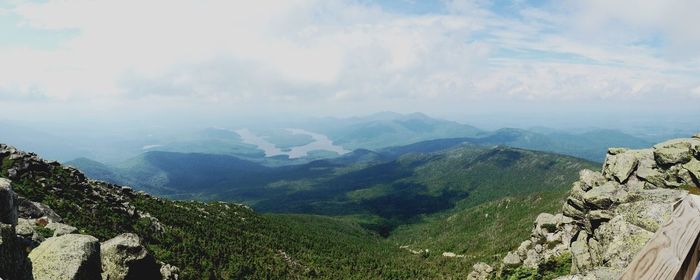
[388,188]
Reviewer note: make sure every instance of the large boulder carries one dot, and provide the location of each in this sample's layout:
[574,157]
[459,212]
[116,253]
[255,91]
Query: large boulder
[124,257]
[620,166]
[69,257]
[674,151]
[604,196]
[8,203]
[13,258]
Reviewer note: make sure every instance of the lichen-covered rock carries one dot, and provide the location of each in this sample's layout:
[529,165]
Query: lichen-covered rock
[512,260]
[646,214]
[480,271]
[693,167]
[581,257]
[8,206]
[590,179]
[61,229]
[124,257]
[621,240]
[604,196]
[620,166]
[616,213]
[673,151]
[169,272]
[70,257]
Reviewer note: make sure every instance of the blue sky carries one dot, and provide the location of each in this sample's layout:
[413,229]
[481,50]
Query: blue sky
[347,57]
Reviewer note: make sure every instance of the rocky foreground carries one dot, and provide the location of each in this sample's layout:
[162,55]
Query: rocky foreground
[35,244]
[609,215]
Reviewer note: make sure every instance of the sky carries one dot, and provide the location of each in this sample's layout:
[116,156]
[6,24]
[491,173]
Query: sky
[97,59]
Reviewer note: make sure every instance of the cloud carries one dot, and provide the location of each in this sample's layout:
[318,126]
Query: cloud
[338,52]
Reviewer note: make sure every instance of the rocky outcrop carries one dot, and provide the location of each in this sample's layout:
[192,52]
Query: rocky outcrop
[70,257]
[124,257]
[8,203]
[14,263]
[610,215]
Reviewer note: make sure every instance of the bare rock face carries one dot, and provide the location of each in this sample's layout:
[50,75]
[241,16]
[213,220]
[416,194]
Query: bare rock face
[610,215]
[13,258]
[124,257]
[70,257]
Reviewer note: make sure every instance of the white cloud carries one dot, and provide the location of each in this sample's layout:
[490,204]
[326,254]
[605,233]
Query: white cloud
[332,52]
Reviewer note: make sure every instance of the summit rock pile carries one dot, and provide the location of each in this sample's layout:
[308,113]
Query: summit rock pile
[610,215]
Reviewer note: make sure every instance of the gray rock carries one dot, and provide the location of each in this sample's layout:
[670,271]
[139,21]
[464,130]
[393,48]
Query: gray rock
[547,222]
[647,214]
[71,257]
[673,151]
[693,167]
[602,197]
[615,151]
[169,272]
[573,212]
[8,206]
[620,166]
[581,257]
[512,260]
[590,179]
[61,229]
[621,241]
[124,257]
[600,216]
[14,263]
[696,135]
[480,271]
[33,210]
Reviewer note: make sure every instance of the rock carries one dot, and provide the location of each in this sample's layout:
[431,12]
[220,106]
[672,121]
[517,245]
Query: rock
[26,230]
[620,166]
[596,251]
[581,257]
[449,254]
[602,197]
[590,179]
[124,257]
[532,258]
[71,256]
[573,212]
[33,210]
[621,241]
[693,167]
[696,135]
[545,223]
[673,151]
[8,206]
[599,216]
[169,272]
[480,271]
[646,214]
[512,260]
[14,263]
[61,229]
[576,197]
[522,249]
